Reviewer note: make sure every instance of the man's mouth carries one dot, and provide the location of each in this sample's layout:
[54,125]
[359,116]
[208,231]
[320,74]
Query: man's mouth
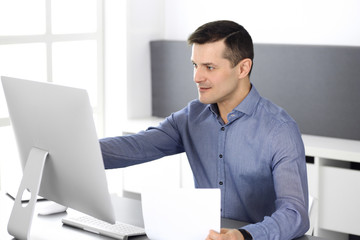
[203,88]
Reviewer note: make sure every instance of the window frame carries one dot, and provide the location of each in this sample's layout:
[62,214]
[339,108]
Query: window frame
[48,38]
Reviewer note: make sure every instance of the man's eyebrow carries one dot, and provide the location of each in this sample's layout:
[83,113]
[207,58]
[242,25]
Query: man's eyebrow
[204,64]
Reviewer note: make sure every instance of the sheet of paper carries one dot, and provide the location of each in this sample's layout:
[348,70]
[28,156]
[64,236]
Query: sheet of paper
[180,214]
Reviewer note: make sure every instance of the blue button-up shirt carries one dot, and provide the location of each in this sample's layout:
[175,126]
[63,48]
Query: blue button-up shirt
[257,160]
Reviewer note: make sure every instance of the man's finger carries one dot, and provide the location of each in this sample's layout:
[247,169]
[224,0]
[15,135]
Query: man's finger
[213,235]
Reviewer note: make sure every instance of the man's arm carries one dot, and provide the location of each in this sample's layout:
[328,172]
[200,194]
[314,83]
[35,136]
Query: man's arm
[154,143]
[290,220]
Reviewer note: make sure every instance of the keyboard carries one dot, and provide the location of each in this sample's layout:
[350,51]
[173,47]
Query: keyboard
[118,230]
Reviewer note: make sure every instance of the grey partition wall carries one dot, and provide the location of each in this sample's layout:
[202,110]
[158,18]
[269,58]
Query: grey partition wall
[319,86]
[172,77]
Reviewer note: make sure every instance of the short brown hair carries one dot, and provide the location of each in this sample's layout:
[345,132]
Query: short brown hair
[237,40]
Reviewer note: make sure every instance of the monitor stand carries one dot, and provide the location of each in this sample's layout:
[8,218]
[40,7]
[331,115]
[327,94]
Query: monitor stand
[22,213]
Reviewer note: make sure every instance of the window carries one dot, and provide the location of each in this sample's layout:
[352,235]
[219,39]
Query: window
[58,41]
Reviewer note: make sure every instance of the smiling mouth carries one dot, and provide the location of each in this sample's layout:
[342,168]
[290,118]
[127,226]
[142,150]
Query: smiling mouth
[202,89]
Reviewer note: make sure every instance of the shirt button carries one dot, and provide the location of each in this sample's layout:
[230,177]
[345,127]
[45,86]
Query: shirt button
[221,183]
[220,156]
[222,128]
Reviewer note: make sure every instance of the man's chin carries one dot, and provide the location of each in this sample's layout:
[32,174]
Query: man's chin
[205,101]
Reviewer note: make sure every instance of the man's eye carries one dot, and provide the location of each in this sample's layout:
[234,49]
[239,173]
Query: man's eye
[195,65]
[210,68]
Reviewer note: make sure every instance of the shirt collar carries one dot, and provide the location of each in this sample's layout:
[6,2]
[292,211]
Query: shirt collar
[247,106]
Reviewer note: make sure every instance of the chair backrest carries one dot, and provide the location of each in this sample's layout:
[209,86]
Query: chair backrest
[313,208]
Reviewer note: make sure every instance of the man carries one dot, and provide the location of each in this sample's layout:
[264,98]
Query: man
[234,139]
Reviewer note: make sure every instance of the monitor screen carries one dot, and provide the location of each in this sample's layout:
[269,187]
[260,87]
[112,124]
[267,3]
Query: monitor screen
[59,120]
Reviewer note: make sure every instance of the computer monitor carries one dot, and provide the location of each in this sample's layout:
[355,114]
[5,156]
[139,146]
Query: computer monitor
[59,151]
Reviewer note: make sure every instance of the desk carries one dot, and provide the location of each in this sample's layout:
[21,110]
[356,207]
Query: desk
[51,227]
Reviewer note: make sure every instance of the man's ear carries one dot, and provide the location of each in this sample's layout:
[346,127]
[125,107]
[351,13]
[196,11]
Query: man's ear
[244,67]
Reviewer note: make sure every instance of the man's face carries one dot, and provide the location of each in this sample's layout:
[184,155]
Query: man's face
[216,79]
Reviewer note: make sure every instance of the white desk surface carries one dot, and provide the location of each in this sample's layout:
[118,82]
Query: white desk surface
[46,227]
[51,227]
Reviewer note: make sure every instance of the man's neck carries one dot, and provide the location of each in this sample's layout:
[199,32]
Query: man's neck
[228,106]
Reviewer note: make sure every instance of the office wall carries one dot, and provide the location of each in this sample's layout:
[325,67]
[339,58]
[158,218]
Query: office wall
[129,27]
[145,22]
[276,21]
[324,22]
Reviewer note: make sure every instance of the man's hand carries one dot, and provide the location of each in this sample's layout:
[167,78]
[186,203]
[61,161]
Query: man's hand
[225,234]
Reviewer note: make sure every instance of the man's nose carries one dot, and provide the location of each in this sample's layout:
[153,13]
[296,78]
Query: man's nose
[198,75]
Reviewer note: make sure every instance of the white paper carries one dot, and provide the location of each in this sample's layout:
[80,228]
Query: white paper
[179,214]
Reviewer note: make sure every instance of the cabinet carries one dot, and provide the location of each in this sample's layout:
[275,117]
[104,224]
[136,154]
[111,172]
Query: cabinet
[334,180]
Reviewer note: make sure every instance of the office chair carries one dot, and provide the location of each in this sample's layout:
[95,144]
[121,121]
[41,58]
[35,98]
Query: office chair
[313,208]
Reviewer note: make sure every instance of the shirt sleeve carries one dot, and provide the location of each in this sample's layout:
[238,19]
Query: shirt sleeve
[154,143]
[290,220]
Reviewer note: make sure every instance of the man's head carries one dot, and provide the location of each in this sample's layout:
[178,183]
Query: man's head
[237,40]
[222,54]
